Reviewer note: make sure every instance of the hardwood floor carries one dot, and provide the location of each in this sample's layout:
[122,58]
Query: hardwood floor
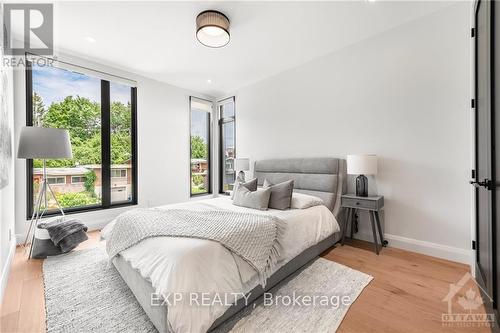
[405,295]
[23,306]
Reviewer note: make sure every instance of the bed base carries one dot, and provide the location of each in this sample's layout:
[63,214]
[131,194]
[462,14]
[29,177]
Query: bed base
[142,288]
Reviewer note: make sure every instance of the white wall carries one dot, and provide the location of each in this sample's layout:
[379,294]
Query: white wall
[403,95]
[163,145]
[7,241]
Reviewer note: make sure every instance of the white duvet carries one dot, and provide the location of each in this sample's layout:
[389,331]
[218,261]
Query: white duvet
[181,266]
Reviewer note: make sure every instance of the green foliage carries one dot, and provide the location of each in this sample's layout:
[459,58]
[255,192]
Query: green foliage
[121,148]
[88,151]
[38,110]
[79,115]
[89,183]
[198,190]
[198,180]
[76,199]
[121,117]
[82,118]
[37,163]
[198,147]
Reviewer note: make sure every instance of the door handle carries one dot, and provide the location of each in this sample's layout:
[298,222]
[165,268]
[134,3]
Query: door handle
[486,183]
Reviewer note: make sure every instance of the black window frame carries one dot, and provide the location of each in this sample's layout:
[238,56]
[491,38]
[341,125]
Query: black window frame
[223,121]
[105,149]
[209,145]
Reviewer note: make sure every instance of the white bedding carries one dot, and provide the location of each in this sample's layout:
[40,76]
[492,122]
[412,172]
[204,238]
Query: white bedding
[184,265]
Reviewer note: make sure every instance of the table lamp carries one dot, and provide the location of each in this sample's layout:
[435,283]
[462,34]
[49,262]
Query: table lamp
[241,165]
[362,165]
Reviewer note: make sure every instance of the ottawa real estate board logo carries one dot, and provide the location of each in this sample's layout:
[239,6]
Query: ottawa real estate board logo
[466,306]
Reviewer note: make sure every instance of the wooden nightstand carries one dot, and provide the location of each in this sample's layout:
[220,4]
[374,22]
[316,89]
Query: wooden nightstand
[371,204]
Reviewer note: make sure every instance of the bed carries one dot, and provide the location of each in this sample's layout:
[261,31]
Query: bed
[311,232]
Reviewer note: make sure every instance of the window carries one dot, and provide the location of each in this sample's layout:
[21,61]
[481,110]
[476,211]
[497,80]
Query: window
[121,144]
[56,180]
[77,179]
[200,146]
[118,173]
[227,150]
[100,116]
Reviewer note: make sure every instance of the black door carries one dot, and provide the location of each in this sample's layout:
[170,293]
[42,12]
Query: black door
[486,233]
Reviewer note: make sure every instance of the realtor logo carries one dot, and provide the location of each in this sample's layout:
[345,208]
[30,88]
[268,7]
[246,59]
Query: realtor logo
[468,310]
[28,28]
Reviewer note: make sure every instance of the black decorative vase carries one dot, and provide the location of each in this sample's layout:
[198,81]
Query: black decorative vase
[361,186]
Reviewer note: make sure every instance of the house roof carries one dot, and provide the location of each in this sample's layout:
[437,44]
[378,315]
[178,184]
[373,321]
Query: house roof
[61,171]
[114,166]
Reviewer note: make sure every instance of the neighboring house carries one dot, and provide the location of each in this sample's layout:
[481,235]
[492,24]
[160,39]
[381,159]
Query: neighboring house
[70,180]
[199,166]
[229,174]
[63,180]
[121,181]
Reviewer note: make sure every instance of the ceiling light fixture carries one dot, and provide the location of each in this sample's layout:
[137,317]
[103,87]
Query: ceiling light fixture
[209,81]
[90,39]
[212,28]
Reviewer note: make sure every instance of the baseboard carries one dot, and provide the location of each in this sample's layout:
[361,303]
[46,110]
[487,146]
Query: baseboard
[431,249]
[6,269]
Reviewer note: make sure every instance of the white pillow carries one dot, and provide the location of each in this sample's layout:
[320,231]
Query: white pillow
[303,201]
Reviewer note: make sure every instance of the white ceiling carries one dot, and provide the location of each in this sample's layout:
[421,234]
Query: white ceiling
[157,39]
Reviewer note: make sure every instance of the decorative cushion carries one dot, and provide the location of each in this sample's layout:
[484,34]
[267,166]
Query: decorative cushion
[303,201]
[281,194]
[251,185]
[258,199]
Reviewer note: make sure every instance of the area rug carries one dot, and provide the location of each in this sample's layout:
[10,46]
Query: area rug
[83,293]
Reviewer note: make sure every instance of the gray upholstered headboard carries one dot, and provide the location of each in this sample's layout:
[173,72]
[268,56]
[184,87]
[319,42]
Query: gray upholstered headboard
[325,178]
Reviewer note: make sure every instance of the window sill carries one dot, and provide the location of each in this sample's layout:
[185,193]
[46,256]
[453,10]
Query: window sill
[71,211]
[197,195]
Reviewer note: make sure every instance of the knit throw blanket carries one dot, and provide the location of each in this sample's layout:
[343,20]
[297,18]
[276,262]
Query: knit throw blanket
[252,236]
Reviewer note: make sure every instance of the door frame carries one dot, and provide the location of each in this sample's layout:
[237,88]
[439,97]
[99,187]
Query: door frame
[488,302]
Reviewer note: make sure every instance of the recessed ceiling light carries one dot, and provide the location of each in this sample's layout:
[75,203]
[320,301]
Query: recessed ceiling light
[209,81]
[90,39]
[212,28]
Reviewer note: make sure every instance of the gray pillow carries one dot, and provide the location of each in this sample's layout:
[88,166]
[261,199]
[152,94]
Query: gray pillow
[281,194]
[258,199]
[251,185]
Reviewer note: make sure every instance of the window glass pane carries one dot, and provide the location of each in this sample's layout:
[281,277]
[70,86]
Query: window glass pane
[228,154]
[65,99]
[121,142]
[200,134]
[227,109]
[77,179]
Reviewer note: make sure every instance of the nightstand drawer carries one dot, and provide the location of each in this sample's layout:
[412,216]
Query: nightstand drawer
[359,203]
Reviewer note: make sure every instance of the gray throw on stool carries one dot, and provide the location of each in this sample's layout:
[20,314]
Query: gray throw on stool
[65,235]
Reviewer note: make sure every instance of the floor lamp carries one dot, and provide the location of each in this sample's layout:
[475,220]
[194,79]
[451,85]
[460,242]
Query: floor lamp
[43,143]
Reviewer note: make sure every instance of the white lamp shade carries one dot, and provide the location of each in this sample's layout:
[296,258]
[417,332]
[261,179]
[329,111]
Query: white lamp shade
[44,143]
[362,164]
[242,164]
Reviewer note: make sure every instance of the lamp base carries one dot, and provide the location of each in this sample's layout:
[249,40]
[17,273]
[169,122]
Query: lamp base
[361,186]
[38,211]
[241,177]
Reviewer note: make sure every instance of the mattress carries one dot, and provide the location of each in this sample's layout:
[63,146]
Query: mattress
[170,266]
